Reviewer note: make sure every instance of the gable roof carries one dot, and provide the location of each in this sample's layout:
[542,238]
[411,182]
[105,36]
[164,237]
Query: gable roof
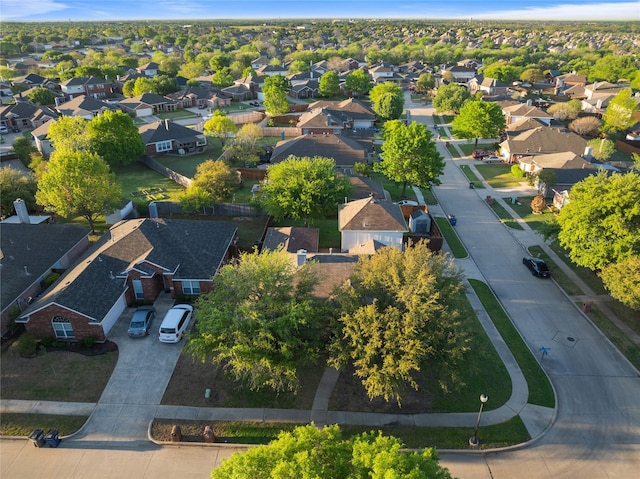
[84,104]
[544,139]
[32,249]
[524,110]
[344,151]
[27,110]
[568,167]
[164,130]
[370,214]
[189,249]
[292,239]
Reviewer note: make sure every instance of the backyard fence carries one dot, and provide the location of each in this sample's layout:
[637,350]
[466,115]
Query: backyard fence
[163,209]
[168,172]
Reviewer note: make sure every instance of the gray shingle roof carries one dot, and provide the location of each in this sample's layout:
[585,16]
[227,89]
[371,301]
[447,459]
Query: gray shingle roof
[190,249]
[34,247]
[370,214]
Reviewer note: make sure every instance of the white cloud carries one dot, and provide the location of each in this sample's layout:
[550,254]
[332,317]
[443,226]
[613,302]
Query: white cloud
[17,9]
[585,11]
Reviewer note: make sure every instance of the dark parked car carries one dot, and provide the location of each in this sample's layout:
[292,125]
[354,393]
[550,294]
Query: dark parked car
[141,321]
[536,266]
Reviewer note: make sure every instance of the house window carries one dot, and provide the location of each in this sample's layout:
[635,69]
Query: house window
[62,328]
[163,146]
[191,287]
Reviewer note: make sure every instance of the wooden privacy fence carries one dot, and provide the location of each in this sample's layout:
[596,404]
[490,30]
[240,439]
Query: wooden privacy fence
[164,209]
[168,172]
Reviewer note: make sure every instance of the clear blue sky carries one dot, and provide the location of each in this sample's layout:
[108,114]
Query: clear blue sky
[78,10]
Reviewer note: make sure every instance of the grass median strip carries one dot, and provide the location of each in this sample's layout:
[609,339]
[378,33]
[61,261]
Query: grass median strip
[14,424]
[504,216]
[457,248]
[472,177]
[540,390]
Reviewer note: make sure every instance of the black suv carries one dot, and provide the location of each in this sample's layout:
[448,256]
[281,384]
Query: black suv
[536,266]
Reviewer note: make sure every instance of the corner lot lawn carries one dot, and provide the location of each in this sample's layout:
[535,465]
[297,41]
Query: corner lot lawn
[499,175]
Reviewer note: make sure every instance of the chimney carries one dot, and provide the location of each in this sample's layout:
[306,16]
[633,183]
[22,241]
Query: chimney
[21,211]
[166,123]
[599,104]
[302,256]
[588,153]
[529,102]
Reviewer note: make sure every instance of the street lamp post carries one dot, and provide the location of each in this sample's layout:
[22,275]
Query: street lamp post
[473,441]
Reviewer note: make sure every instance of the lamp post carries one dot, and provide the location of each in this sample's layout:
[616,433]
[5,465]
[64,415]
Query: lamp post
[473,441]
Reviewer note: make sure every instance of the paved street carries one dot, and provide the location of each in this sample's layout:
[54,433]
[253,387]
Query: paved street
[596,433]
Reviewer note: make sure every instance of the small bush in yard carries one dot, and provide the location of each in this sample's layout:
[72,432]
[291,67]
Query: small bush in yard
[27,345]
[87,342]
[517,172]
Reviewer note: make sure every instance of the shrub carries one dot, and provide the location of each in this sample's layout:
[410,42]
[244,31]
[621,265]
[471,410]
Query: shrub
[517,172]
[362,169]
[87,342]
[27,345]
[48,341]
[49,280]
[14,312]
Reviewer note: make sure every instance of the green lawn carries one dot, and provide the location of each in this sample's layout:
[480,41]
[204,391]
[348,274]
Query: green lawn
[137,177]
[499,175]
[469,146]
[457,248]
[329,234]
[174,115]
[540,390]
[429,197]
[615,335]
[14,424]
[505,217]
[471,176]
[394,189]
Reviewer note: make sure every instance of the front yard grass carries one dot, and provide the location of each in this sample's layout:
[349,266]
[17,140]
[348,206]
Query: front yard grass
[615,335]
[499,175]
[468,147]
[55,375]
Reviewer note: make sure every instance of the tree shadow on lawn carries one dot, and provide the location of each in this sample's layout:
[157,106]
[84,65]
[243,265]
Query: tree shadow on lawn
[191,378]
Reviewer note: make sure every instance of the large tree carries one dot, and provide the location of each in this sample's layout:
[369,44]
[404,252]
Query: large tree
[41,96]
[358,82]
[260,322]
[450,98]
[115,137]
[15,184]
[623,281]
[329,84]
[388,100]
[425,83]
[409,155]
[309,452]
[601,223]
[78,183]
[479,119]
[220,126]
[602,148]
[304,188]
[69,133]
[587,125]
[217,178]
[275,91]
[399,315]
[244,147]
[620,113]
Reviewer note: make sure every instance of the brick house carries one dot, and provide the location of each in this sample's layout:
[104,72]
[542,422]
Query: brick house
[30,252]
[134,262]
[165,136]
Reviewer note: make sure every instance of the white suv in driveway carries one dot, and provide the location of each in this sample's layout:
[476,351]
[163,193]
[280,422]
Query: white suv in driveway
[175,323]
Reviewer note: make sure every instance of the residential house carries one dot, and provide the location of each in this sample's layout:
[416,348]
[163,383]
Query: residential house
[90,86]
[354,64]
[239,92]
[568,168]
[149,70]
[540,141]
[569,80]
[41,140]
[85,107]
[384,72]
[345,151]
[370,220]
[271,70]
[148,104]
[292,239]
[25,115]
[260,62]
[598,95]
[196,96]
[307,89]
[165,136]
[336,116]
[134,262]
[30,252]
[459,73]
[514,113]
[488,86]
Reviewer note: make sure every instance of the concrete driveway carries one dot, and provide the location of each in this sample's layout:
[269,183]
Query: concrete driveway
[144,368]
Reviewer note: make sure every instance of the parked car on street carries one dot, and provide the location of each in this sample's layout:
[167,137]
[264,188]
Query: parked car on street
[175,323]
[537,266]
[141,321]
